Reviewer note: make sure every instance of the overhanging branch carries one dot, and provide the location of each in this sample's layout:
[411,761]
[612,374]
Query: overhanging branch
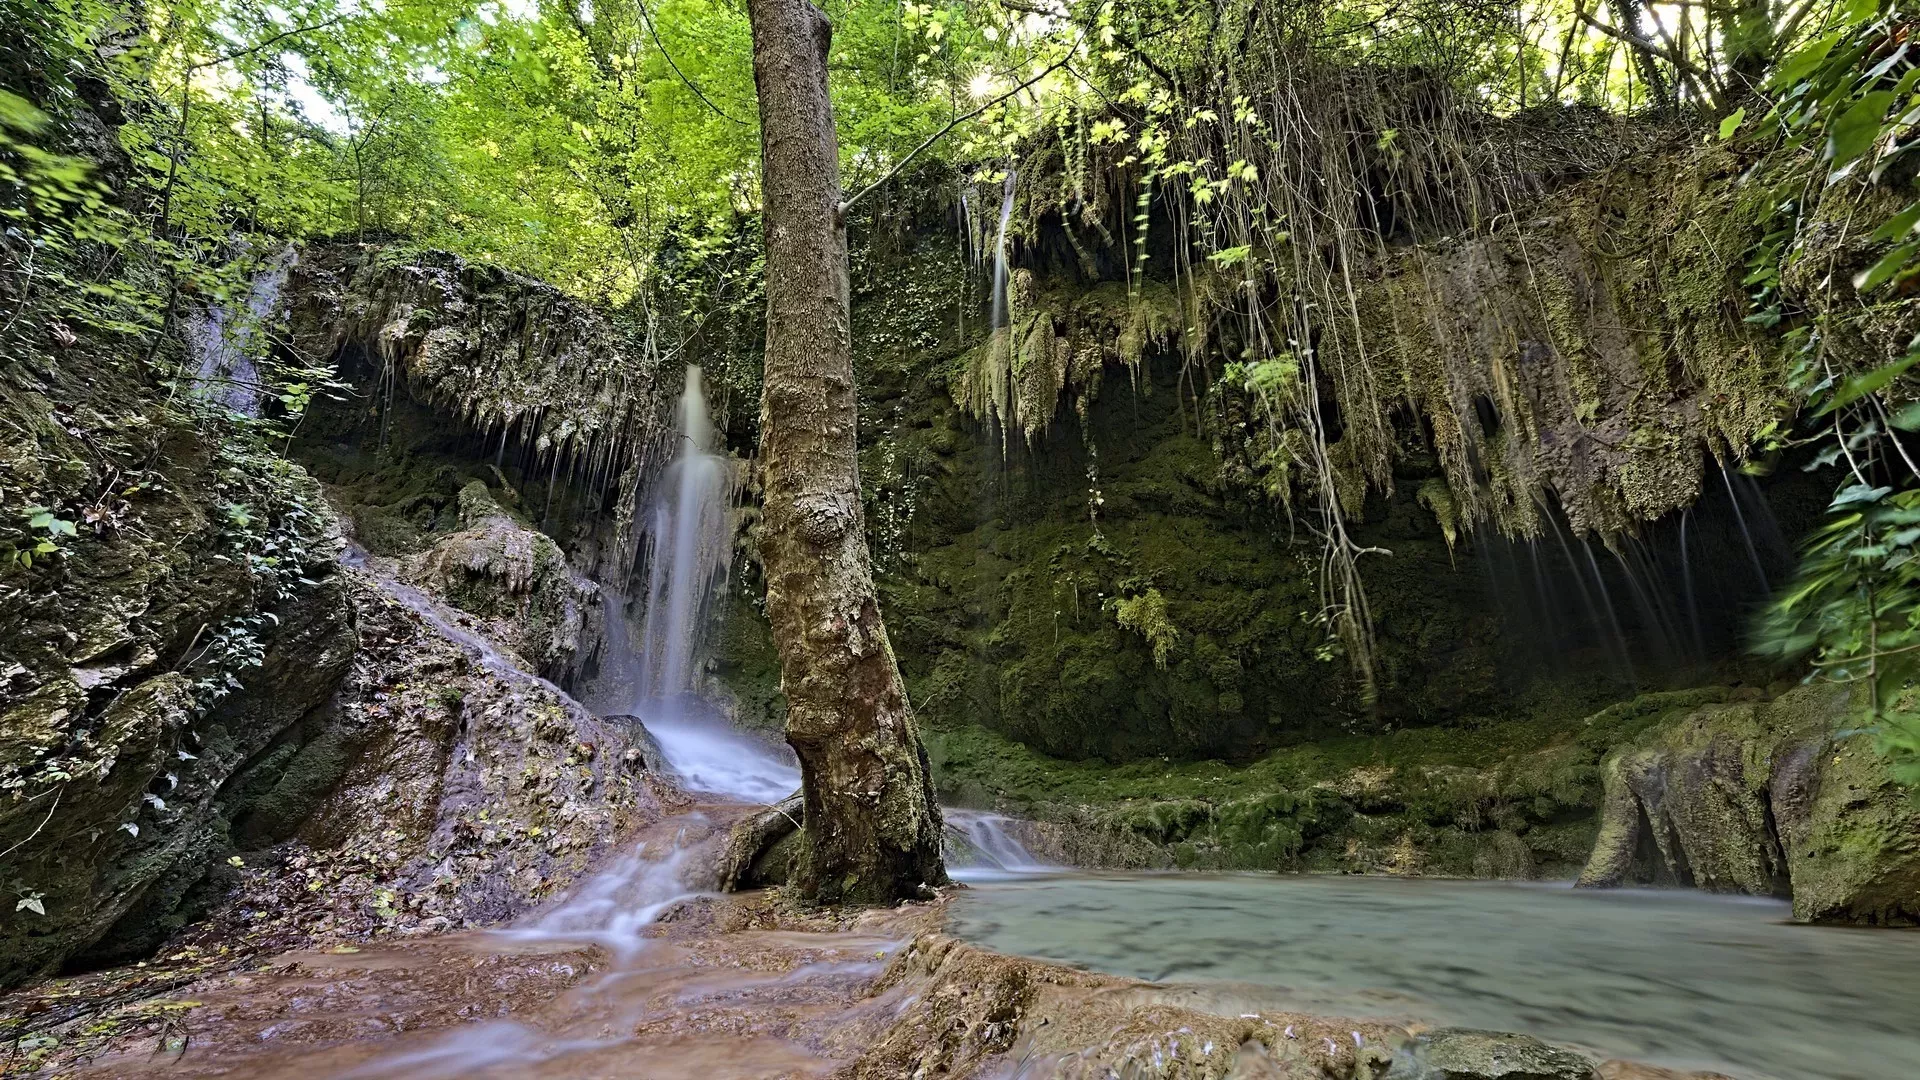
[1650,48]
[704,100]
[951,124]
[274,40]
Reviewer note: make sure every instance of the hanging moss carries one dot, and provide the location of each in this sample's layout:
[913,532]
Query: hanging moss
[500,354]
[1057,347]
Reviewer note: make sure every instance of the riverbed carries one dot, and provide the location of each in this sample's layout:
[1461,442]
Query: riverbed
[1678,978]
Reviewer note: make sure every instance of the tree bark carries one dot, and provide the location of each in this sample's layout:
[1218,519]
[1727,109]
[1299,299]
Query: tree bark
[873,828]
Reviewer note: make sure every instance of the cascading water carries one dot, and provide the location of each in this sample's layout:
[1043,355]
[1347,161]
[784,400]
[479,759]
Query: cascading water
[1000,307]
[1661,602]
[707,755]
[612,908]
[689,538]
[688,532]
[222,340]
[982,846]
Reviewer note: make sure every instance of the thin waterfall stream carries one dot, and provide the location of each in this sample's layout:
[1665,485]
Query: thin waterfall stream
[1001,309]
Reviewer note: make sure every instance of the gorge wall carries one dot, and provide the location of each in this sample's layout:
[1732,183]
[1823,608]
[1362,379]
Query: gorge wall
[1105,594]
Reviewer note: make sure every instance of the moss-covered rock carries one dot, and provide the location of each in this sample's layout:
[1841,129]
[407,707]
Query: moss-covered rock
[1766,798]
[1512,799]
[1855,856]
[182,618]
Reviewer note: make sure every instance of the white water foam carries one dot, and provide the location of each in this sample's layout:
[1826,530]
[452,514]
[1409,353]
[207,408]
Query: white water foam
[986,847]
[708,755]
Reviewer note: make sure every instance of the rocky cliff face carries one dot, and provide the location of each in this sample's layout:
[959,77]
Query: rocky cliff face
[191,678]
[519,580]
[1772,798]
[171,609]
[444,786]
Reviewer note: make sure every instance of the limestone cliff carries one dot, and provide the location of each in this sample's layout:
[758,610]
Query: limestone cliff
[1774,798]
[181,616]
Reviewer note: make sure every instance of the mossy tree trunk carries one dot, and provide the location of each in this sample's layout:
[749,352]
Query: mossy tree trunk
[873,829]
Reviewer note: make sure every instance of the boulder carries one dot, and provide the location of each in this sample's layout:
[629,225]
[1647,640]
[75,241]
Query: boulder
[1468,1054]
[517,578]
[1777,798]
[1854,854]
[476,792]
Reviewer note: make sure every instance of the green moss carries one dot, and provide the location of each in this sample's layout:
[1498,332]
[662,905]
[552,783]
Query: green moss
[1517,798]
[747,664]
[1146,615]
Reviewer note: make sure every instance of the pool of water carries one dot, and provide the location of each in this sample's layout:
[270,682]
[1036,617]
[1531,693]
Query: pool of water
[1676,978]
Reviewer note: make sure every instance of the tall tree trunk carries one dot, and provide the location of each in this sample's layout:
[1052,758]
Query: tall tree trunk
[872,826]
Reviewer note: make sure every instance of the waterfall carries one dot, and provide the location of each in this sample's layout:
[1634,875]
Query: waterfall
[1000,312]
[982,845]
[708,755]
[222,340]
[690,543]
[1669,602]
[656,678]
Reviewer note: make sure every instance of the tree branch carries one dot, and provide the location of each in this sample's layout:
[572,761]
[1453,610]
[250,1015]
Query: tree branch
[274,40]
[847,204]
[704,100]
[1647,47]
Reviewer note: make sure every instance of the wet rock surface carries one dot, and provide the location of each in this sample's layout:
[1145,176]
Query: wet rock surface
[721,988]
[1467,1054]
[472,790]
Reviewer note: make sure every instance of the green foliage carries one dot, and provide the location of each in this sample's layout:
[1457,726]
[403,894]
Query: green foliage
[65,244]
[1146,615]
[1850,96]
[1854,610]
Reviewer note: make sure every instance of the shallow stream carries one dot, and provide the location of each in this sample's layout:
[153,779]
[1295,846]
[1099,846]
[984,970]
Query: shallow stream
[1677,978]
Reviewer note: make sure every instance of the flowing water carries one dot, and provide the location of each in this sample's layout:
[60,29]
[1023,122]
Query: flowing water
[707,755]
[986,847]
[1000,306]
[598,984]
[1677,978]
[1680,978]
[688,532]
[224,338]
[688,536]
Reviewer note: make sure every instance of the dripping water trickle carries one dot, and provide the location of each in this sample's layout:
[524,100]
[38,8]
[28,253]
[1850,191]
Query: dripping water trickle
[1000,307]
[982,846]
[1746,533]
